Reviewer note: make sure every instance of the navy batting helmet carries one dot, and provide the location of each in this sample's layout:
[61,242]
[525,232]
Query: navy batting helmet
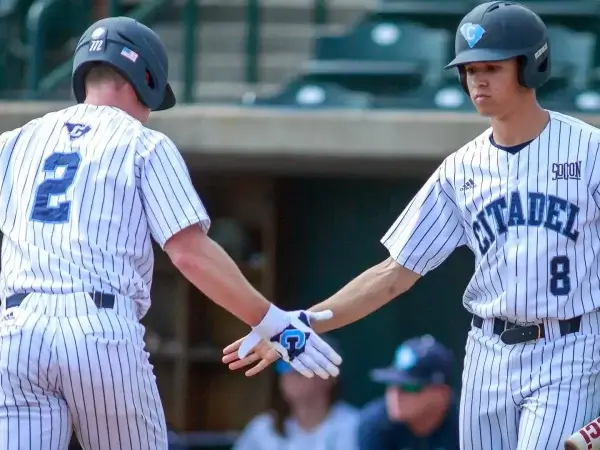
[502,30]
[133,50]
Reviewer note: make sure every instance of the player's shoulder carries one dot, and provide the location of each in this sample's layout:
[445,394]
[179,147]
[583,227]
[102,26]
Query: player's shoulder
[578,126]
[572,122]
[151,138]
[474,145]
[13,135]
[458,157]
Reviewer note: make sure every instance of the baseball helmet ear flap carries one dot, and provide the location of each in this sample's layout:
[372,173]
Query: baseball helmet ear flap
[534,67]
[462,78]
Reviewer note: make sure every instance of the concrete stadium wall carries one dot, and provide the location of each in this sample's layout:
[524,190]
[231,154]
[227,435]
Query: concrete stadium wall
[319,140]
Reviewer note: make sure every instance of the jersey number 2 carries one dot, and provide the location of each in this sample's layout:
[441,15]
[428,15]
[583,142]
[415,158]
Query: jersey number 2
[560,283]
[42,211]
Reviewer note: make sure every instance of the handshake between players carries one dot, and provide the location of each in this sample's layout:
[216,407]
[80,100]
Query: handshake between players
[288,335]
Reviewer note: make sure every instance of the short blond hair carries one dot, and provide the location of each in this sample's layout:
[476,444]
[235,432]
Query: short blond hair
[100,73]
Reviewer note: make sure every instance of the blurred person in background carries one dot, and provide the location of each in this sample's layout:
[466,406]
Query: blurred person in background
[419,410]
[305,414]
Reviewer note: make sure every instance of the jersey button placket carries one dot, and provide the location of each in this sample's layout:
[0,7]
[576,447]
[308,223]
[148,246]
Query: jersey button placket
[514,238]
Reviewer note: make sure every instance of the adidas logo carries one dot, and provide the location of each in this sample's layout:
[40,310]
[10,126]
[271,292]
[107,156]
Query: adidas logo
[470,184]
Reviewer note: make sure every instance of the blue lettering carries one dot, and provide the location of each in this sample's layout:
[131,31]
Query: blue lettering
[486,226]
[555,206]
[515,213]
[495,209]
[483,241]
[551,212]
[569,230]
[537,202]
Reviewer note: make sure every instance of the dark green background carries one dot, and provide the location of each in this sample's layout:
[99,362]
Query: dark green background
[329,232]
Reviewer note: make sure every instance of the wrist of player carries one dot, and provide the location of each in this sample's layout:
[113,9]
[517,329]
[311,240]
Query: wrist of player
[277,320]
[273,322]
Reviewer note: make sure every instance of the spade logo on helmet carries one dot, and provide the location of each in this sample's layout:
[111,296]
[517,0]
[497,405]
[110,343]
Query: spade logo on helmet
[472,33]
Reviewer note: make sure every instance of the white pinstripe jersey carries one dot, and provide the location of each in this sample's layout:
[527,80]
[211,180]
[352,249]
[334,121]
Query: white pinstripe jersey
[82,191]
[531,218]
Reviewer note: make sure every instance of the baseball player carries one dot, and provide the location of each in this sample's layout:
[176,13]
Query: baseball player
[523,196]
[83,190]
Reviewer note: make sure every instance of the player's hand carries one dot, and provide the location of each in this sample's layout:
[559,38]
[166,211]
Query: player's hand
[292,338]
[262,354]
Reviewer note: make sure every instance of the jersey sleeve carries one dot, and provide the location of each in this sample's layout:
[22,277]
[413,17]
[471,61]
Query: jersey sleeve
[429,229]
[170,200]
[8,141]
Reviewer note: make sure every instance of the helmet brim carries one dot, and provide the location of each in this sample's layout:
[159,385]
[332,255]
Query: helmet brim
[481,55]
[169,99]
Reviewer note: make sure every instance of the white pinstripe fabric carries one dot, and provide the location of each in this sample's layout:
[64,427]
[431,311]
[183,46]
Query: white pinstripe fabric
[83,190]
[534,231]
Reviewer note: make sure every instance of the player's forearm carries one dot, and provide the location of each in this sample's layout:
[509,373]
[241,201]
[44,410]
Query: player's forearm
[366,293]
[208,267]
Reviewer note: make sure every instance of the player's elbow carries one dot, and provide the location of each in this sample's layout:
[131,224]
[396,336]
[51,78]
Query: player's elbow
[187,247]
[399,278]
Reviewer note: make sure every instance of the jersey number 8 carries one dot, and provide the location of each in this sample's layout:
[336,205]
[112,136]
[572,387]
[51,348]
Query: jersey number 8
[560,283]
[41,210]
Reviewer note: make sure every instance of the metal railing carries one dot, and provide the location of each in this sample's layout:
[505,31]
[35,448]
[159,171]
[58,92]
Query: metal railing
[252,43]
[191,25]
[39,26]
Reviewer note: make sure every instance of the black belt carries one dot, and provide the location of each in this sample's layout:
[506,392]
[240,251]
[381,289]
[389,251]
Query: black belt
[512,333]
[101,299]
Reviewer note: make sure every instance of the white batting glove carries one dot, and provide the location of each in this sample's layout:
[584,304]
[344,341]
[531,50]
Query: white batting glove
[290,334]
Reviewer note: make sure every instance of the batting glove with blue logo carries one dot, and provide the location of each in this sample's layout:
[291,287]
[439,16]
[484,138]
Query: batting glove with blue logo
[291,335]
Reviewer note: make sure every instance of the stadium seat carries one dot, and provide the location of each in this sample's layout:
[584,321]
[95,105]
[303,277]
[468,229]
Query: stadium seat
[584,101]
[572,59]
[12,58]
[561,8]
[304,94]
[418,7]
[449,97]
[444,14]
[381,58]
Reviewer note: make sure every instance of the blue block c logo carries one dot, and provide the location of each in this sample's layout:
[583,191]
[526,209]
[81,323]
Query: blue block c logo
[293,340]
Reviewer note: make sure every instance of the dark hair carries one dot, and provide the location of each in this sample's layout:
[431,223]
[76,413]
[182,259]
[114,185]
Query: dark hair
[280,410]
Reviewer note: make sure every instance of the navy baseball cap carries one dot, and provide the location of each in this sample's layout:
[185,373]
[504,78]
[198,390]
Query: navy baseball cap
[281,367]
[420,361]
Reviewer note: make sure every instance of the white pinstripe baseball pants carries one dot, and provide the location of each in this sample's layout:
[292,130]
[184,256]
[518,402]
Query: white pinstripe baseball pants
[66,364]
[529,396]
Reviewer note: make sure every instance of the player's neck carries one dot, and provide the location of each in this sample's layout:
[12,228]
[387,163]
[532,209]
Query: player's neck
[522,124]
[108,98]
